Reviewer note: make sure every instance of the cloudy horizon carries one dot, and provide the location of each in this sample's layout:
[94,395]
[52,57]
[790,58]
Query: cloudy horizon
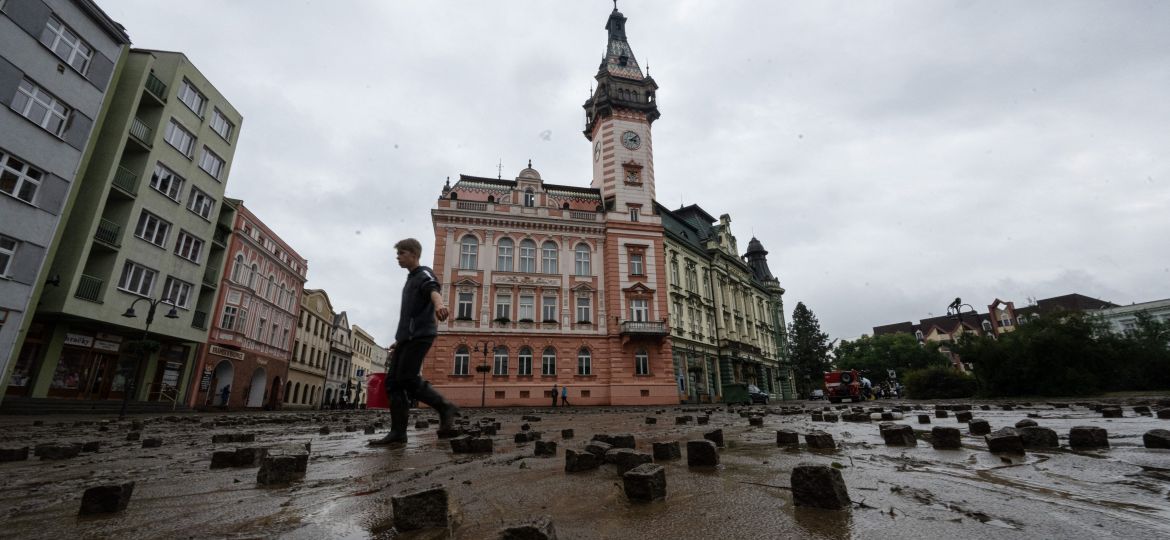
[890,155]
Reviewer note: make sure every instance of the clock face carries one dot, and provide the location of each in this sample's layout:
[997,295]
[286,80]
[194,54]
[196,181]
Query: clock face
[597,151]
[631,140]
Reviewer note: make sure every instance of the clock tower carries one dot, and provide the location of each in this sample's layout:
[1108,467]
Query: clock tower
[617,122]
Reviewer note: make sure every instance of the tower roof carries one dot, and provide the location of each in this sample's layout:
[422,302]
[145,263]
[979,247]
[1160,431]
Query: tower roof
[619,58]
[757,259]
[620,83]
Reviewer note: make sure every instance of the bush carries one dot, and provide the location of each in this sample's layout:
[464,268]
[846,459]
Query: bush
[940,383]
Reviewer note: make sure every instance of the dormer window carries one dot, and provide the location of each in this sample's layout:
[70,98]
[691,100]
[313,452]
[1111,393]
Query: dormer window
[623,60]
[529,198]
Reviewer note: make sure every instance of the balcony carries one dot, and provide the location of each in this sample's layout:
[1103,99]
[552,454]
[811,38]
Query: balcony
[220,236]
[585,216]
[199,320]
[108,233]
[645,328]
[90,288]
[471,205]
[156,87]
[211,278]
[126,180]
[141,133]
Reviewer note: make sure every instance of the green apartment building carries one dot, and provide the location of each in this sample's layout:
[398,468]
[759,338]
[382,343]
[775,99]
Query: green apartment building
[150,222]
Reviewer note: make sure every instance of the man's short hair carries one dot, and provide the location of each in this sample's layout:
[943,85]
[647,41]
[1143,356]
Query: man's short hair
[409,245]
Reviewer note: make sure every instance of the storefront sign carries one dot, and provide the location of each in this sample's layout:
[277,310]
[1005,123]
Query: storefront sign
[205,382]
[106,346]
[260,360]
[78,340]
[220,351]
[109,337]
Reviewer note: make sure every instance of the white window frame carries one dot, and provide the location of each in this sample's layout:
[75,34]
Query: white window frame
[42,108]
[526,307]
[177,292]
[137,279]
[189,246]
[527,256]
[192,97]
[211,163]
[584,309]
[548,361]
[500,361]
[200,203]
[641,362]
[634,213]
[464,305]
[468,252]
[221,125]
[548,257]
[639,310]
[228,320]
[583,263]
[22,177]
[529,198]
[462,361]
[548,309]
[524,361]
[165,181]
[636,265]
[150,228]
[67,45]
[8,247]
[584,362]
[180,138]
[504,252]
[504,305]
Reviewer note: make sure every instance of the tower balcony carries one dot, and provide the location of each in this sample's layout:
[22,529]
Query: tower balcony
[644,329]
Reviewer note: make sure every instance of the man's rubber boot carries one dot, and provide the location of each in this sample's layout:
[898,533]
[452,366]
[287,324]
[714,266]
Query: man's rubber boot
[399,417]
[448,412]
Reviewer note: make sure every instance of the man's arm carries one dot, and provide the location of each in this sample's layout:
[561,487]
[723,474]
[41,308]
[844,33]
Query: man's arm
[441,310]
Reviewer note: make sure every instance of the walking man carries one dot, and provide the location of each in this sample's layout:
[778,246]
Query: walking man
[564,396]
[554,394]
[421,306]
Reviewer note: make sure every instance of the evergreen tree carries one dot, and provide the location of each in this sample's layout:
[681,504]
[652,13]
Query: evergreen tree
[808,349]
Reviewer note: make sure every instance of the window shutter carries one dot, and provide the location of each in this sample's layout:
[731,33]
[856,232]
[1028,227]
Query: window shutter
[52,194]
[77,132]
[30,15]
[27,263]
[99,71]
[10,77]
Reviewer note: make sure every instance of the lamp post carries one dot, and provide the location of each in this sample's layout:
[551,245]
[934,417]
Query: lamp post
[130,379]
[483,346]
[955,311]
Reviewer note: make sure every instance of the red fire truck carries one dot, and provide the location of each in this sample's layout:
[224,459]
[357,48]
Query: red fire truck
[842,385]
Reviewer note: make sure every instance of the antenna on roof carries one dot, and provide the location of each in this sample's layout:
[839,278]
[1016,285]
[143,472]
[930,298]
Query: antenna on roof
[500,170]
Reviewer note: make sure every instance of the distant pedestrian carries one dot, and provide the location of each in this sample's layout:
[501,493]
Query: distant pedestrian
[223,395]
[554,395]
[564,396]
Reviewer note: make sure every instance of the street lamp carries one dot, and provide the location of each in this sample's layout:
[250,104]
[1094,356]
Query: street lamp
[130,379]
[483,346]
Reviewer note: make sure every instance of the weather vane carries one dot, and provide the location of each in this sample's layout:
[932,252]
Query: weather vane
[500,170]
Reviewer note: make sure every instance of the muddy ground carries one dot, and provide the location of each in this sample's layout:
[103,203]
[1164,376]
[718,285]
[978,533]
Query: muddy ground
[899,492]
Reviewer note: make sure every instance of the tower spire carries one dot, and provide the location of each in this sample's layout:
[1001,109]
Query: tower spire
[620,82]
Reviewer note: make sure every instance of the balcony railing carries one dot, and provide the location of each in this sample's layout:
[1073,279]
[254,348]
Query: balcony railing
[90,288]
[587,216]
[471,205]
[109,233]
[155,86]
[139,130]
[644,328]
[220,236]
[199,320]
[126,180]
[211,278]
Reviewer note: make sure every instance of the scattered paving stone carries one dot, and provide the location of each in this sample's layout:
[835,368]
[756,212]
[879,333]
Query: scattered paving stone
[666,451]
[324,430]
[646,482]
[423,509]
[279,470]
[678,420]
[134,436]
[370,430]
[924,419]
[350,428]
[91,446]
[979,426]
[58,451]
[233,438]
[524,437]
[626,458]
[985,407]
[715,437]
[422,424]
[757,421]
[455,432]
[818,417]
[598,448]
[1142,410]
[240,457]
[136,425]
[13,454]
[702,454]
[151,442]
[704,420]
[945,438]
[963,417]
[1112,412]
[541,529]
[106,499]
[650,420]
[1164,414]
[620,440]
[787,437]
[819,486]
[567,434]
[545,449]
[820,440]
[1088,437]
[1026,423]
[525,427]
[1156,438]
[941,413]
[888,416]
[580,461]
[829,417]
[1005,440]
[897,434]
[1039,437]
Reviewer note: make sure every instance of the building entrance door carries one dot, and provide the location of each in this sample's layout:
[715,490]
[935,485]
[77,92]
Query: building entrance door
[99,375]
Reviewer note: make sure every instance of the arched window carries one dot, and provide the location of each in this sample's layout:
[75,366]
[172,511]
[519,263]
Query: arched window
[527,256]
[918,334]
[462,360]
[239,269]
[548,257]
[641,362]
[524,359]
[290,392]
[529,198]
[271,286]
[468,252]
[504,255]
[253,278]
[305,396]
[500,361]
[548,361]
[584,362]
[581,266]
[987,326]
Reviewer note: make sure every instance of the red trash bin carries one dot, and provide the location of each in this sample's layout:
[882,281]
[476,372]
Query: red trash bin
[376,395]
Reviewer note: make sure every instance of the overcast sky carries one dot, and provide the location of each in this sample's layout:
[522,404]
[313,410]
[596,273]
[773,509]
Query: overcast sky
[890,155]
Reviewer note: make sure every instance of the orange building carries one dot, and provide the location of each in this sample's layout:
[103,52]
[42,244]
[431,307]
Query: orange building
[555,285]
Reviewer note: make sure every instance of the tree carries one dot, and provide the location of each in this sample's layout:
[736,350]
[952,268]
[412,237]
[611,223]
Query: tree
[808,348]
[876,355]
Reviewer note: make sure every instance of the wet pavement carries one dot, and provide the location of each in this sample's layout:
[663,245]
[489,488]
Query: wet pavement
[898,492]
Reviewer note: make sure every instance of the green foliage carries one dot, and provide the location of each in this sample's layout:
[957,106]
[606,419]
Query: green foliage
[940,382]
[1069,354]
[874,356]
[808,349]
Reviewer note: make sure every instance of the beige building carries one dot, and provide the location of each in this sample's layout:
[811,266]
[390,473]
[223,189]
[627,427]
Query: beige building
[306,371]
[364,350]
